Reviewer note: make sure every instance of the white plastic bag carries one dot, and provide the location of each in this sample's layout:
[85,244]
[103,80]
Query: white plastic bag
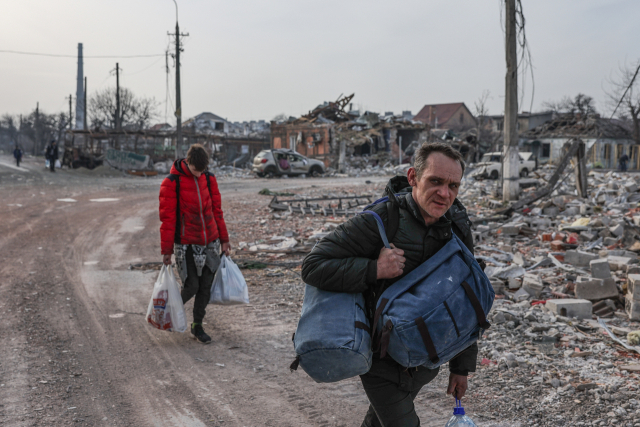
[166,311]
[229,286]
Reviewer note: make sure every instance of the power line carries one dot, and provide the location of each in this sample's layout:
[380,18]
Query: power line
[75,56]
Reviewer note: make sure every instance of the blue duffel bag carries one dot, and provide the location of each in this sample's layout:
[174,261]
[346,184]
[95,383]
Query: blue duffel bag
[436,311]
[332,340]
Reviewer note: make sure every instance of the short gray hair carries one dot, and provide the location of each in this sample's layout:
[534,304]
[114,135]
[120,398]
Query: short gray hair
[427,148]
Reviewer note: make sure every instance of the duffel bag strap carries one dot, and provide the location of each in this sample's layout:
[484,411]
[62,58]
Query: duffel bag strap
[426,339]
[384,339]
[477,307]
[363,326]
[376,318]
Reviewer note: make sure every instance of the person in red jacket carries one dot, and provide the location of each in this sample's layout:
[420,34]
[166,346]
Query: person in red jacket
[193,229]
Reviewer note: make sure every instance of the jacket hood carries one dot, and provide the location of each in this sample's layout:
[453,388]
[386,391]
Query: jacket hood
[398,191]
[180,167]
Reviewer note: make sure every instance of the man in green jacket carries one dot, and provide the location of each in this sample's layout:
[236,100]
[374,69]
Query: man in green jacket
[422,211]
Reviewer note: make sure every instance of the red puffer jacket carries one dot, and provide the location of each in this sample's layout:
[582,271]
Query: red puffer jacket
[201,221]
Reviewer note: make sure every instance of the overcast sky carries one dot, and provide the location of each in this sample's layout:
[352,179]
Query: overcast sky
[252,59]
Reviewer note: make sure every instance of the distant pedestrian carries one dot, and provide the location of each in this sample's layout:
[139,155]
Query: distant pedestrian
[622,162]
[52,155]
[17,154]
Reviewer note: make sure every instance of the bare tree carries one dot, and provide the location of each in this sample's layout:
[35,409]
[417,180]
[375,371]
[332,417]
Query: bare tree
[581,103]
[280,118]
[484,131]
[135,112]
[623,96]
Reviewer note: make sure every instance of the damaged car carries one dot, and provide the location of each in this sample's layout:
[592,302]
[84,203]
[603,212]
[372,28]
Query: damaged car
[278,162]
[490,166]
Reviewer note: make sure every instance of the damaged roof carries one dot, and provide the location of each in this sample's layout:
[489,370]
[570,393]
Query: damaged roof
[570,125]
[439,113]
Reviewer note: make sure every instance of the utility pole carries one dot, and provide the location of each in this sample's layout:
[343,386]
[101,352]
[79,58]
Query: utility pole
[178,102]
[36,143]
[510,158]
[117,123]
[342,158]
[70,112]
[86,125]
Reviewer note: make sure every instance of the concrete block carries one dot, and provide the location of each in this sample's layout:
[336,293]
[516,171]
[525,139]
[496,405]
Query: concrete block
[609,241]
[633,269]
[621,252]
[514,283]
[620,262]
[631,187]
[532,284]
[551,211]
[632,281]
[632,307]
[521,295]
[510,230]
[600,268]
[579,308]
[579,258]
[585,209]
[498,286]
[617,230]
[587,236]
[571,211]
[636,220]
[597,289]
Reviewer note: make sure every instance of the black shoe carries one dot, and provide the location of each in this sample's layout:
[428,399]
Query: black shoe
[198,333]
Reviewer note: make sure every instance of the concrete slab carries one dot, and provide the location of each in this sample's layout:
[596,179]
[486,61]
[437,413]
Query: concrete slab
[579,308]
[596,289]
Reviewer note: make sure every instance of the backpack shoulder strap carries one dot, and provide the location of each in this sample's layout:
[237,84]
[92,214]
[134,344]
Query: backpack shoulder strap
[207,174]
[176,178]
[393,220]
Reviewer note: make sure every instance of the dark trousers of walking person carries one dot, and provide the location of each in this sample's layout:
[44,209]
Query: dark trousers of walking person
[391,389]
[198,286]
[18,161]
[52,165]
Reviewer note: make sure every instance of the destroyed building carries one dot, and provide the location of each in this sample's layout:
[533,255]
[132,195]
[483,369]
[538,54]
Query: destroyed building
[320,133]
[606,140]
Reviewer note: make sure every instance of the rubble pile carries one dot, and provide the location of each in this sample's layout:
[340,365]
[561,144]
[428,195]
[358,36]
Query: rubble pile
[563,348]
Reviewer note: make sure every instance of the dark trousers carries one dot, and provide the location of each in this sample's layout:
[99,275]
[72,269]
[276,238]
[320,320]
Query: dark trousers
[18,161]
[198,286]
[52,165]
[391,389]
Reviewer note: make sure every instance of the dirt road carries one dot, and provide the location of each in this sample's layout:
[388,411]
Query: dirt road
[74,346]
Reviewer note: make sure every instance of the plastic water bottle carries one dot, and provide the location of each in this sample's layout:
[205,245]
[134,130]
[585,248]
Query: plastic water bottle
[459,419]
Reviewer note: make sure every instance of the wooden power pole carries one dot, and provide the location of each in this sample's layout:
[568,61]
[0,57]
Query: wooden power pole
[84,106]
[511,160]
[36,143]
[178,99]
[70,112]
[117,123]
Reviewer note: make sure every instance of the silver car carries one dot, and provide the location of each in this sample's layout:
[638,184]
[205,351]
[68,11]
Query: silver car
[272,163]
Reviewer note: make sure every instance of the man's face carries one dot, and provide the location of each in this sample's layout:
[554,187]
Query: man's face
[194,171]
[436,189]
